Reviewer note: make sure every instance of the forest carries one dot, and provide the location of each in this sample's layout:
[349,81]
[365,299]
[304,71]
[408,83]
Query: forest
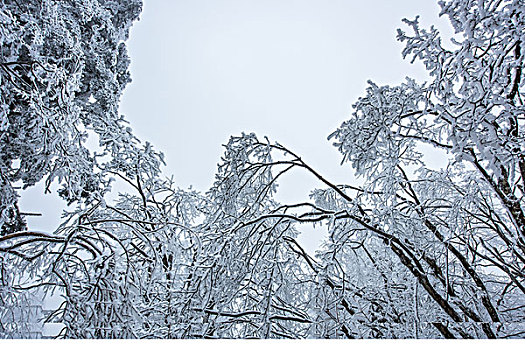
[410,251]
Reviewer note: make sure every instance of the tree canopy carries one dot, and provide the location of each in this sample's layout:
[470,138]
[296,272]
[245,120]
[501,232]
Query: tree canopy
[410,252]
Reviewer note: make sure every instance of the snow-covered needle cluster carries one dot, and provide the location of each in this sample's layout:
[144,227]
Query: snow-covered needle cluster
[411,252]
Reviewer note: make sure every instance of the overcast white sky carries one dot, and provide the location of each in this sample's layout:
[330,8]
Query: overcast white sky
[288,69]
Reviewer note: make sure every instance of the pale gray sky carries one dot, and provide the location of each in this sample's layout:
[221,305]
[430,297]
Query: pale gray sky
[288,69]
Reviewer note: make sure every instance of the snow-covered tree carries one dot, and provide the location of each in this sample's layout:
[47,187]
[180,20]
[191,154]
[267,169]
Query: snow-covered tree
[410,250]
[414,251]
[63,67]
[245,280]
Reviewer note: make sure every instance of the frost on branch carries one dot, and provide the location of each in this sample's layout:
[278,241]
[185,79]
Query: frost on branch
[410,251]
[63,67]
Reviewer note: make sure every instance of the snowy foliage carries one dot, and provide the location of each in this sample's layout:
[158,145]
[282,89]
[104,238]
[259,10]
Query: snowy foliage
[411,252]
[63,67]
